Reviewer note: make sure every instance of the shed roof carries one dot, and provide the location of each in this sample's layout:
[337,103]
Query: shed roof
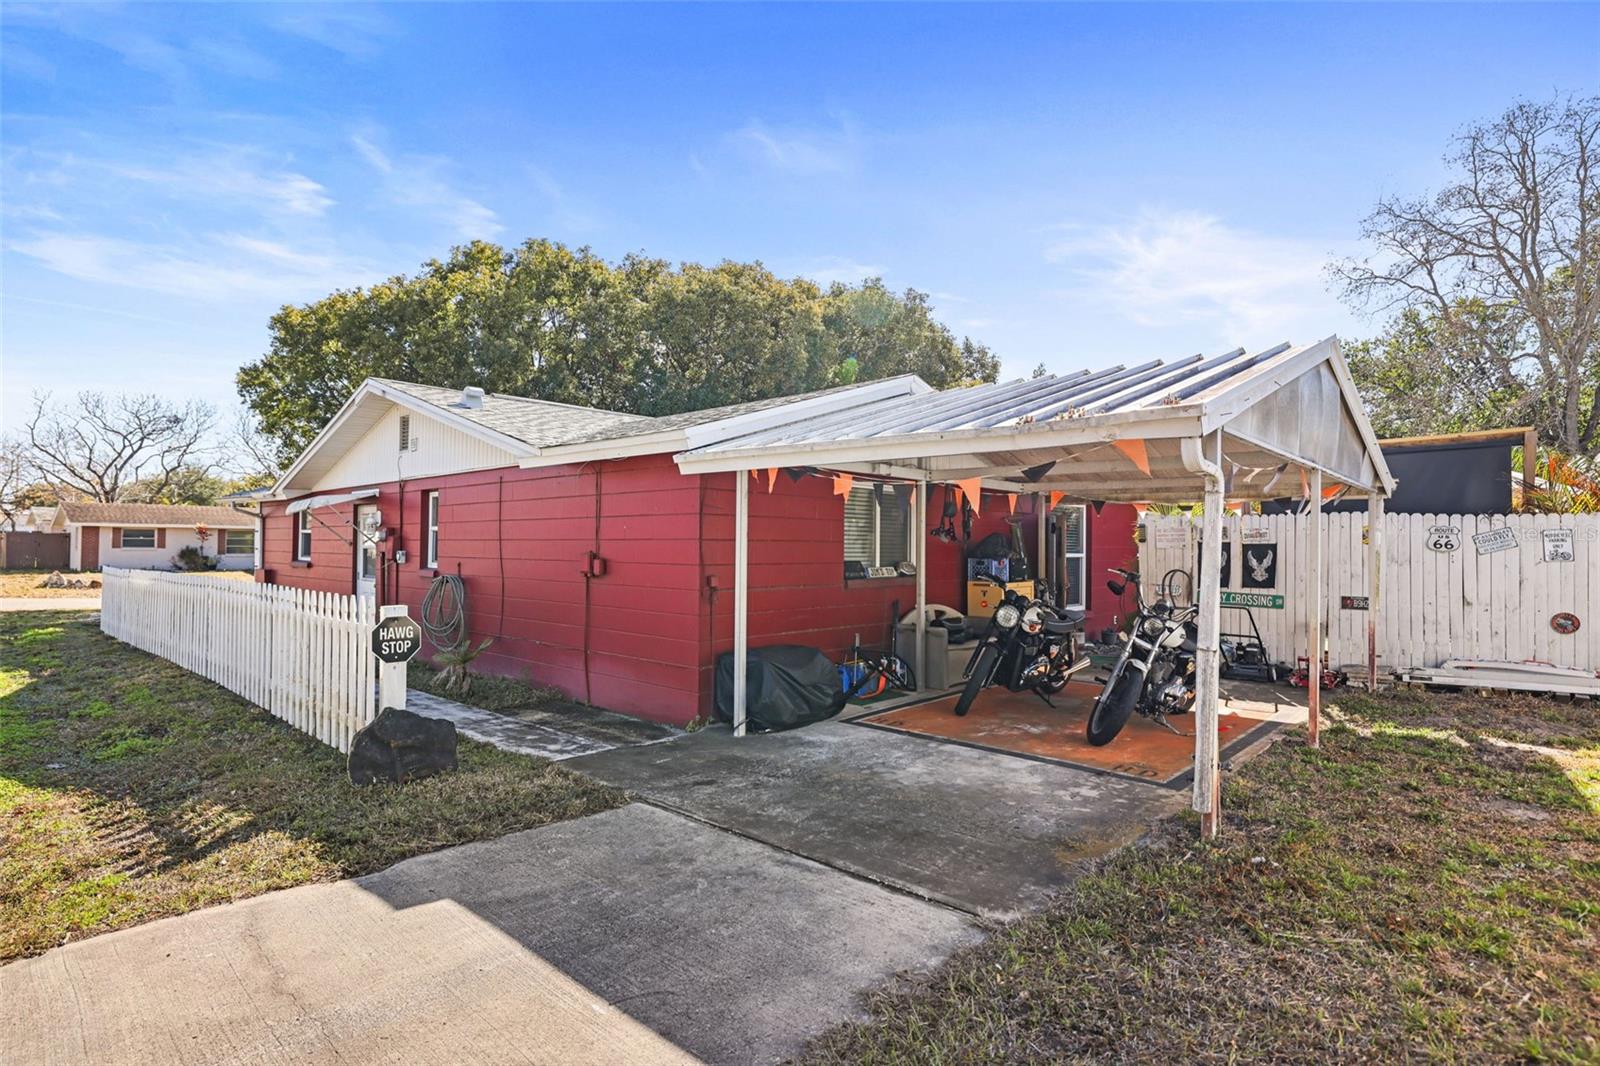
[151,514]
[1279,407]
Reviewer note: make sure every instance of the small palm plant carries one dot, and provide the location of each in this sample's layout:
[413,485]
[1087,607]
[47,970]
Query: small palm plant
[1561,486]
[453,677]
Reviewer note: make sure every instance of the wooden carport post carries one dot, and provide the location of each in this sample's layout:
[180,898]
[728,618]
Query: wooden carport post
[741,594]
[1374,583]
[1314,612]
[1208,655]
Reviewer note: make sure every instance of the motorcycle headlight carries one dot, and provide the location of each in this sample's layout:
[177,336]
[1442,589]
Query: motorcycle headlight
[1033,620]
[1006,616]
[1154,627]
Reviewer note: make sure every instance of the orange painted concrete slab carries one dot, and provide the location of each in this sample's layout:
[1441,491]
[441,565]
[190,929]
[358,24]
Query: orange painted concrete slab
[1022,724]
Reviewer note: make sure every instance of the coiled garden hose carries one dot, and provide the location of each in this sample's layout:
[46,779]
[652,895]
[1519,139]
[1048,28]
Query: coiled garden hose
[444,612]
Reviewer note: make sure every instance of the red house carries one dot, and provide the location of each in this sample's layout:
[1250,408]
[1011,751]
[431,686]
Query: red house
[598,567]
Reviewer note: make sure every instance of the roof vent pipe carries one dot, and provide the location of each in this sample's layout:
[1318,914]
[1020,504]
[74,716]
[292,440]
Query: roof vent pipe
[472,396]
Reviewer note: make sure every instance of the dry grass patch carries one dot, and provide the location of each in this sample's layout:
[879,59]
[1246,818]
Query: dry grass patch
[131,790]
[24,584]
[1425,886]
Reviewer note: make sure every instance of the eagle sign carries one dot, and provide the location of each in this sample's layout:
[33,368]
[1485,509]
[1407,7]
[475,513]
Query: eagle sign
[1260,568]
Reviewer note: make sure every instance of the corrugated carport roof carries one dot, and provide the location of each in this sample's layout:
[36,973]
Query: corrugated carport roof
[1281,408]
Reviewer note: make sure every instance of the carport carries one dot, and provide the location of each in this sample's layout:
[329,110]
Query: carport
[1281,423]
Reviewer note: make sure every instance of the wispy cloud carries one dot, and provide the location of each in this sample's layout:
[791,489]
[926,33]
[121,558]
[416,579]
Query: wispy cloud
[420,182]
[825,270]
[1164,268]
[222,267]
[239,175]
[355,31]
[797,151]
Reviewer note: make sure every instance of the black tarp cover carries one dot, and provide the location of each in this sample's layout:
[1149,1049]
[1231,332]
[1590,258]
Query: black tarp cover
[788,686]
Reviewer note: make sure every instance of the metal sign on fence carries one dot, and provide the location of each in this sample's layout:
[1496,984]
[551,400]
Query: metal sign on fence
[1557,545]
[396,639]
[1444,538]
[1498,539]
[1270,601]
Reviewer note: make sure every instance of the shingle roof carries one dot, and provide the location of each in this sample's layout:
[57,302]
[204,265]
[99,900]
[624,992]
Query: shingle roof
[540,423]
[546,424]
[154,514]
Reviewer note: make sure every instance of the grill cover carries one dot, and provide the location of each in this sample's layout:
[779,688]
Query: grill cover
[788,686]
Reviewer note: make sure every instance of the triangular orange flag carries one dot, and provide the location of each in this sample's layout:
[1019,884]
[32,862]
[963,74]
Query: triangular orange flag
[973,487]
[1140,508]
[1331,491]
[842,483]
[1011,501]
[772,478]
[1305,485]
[1055,498]
[1135,450]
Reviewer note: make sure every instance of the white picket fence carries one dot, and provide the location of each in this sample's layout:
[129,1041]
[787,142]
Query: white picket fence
[304,656]
[1438,603]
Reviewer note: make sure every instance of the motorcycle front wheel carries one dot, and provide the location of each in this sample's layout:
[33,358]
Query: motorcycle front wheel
[1112,709]
[979,677]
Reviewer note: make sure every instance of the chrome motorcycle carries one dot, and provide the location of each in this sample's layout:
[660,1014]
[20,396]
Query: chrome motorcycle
[1154,675]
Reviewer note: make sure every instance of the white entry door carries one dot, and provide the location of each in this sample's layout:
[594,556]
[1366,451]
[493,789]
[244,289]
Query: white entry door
[366,550]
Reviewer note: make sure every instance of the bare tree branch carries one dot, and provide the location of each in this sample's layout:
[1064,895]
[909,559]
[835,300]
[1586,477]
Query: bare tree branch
[99,446]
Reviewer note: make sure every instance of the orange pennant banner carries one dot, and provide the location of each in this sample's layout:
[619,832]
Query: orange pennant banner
[772,478]
[1331,491]
[1134,450]
[1305,484]
[1055,498]
[1140,508]
[842,483]
[1011,501]
[973,487]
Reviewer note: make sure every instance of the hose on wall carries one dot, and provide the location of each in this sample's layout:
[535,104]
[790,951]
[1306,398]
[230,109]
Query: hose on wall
[444,612]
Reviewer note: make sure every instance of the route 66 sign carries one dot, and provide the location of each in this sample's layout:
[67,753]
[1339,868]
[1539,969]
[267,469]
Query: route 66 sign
[1444,538]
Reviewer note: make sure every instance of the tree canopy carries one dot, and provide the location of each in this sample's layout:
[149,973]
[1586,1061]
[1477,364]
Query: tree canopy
[1496,282]
[557,323]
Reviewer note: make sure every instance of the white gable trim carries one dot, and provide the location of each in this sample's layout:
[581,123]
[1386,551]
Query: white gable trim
[371,390]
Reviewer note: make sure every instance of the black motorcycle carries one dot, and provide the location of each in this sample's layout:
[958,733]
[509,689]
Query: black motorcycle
[1154,675]
[1027,645]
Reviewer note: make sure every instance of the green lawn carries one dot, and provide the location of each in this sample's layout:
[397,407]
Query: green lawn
[1426,886]
[132,790]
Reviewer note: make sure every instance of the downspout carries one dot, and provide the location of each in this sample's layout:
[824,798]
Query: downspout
[1207,783]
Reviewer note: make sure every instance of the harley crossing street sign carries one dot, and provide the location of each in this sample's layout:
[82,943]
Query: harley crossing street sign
[397,639]
[1271,601]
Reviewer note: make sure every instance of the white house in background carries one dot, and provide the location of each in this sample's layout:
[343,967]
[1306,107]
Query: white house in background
[147,536]
[29,520]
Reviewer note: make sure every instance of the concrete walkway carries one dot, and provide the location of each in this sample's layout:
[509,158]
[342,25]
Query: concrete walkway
[554,735]
[633,936]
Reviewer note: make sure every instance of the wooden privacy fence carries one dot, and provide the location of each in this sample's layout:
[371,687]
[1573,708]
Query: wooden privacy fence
[1453,586]
[304,656]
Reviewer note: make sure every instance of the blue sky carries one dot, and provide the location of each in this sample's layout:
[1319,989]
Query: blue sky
[1075,185]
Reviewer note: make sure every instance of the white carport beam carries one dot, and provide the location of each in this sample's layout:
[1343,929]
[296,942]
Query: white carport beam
[919,529]
[1375,583]
[741,595]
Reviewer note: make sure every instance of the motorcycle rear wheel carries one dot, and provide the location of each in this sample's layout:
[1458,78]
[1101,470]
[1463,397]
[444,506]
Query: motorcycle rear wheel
[980,676]
[1113,709]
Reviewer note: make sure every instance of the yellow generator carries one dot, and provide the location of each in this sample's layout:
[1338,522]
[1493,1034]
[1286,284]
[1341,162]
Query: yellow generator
[984,596]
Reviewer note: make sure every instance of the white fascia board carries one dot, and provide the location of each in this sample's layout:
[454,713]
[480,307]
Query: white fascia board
[1179,420]
[373,387]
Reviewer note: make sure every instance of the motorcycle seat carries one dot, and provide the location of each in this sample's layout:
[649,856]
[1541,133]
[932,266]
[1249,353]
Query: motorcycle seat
[1065,622]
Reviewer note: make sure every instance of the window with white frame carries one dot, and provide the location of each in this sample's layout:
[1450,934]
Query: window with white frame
[302,536]
[1072,527]
[138,538]
[431,535]
[877,526]
[238,542]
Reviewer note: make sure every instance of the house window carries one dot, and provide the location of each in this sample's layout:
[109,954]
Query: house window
[1072,527]
[238,542]
[302,536]
[431,550]
[877,526]
[138,538]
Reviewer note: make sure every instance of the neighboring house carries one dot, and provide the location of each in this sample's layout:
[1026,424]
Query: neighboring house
[29,520]
[598,567]
[146,536]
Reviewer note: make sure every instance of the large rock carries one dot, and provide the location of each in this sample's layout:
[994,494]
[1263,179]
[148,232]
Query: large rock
[401,746]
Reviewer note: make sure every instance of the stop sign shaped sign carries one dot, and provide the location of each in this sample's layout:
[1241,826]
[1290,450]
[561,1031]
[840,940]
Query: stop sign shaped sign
[396,640]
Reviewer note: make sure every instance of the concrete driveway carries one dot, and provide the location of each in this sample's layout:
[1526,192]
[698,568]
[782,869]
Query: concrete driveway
[633,936]
[985,832]
[50,603]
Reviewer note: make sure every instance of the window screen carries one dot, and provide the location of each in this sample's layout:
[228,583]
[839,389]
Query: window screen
[138,538]
[1071,524]
[877,526]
